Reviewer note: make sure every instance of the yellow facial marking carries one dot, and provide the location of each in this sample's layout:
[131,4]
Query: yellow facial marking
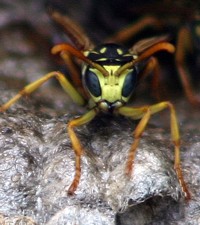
[111,86]
[86,53]
[119,51]
[101,59]
[103,50]
[134,56]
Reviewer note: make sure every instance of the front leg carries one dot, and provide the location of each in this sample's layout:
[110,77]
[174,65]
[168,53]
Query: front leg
[77,147]
[76,97]
[144,113]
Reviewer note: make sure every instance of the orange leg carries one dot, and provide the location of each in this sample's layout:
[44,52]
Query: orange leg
[74,72]
[156,85]
[144,113]
[78,149]
[153,67]
[184,46]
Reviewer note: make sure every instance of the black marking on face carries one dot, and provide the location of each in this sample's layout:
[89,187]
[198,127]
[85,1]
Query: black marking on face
[110,54]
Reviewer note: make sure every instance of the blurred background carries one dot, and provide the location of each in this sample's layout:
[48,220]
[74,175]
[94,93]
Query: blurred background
[27,35]
[27,32]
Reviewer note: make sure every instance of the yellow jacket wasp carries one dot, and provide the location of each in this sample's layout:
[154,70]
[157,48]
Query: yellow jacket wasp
[108,77]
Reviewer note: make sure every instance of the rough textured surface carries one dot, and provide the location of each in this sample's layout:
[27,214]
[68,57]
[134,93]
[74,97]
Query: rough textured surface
[37,161]
[37,165]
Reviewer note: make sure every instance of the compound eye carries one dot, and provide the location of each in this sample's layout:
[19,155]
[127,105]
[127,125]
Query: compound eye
[92,83]
[129,83]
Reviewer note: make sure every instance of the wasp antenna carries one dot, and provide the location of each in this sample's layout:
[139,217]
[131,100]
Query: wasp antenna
[164,46]
[143,45]
[68,48]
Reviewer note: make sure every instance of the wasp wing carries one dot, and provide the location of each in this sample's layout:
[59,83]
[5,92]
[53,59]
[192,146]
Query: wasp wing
[144,44]
[75,33]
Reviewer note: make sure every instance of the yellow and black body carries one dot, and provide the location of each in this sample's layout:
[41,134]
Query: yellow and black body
[113,90]
[107,78]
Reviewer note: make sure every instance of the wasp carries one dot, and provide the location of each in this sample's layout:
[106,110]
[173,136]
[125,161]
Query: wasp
[106,80]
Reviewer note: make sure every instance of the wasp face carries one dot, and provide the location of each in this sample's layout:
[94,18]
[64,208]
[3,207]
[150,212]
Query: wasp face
[111,91]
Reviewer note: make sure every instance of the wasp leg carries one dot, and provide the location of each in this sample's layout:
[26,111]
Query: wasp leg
[73,71]
[156,84]
[144,113]
[76,97]
[153,67]
[78,149]
[184,45]
[130,31]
